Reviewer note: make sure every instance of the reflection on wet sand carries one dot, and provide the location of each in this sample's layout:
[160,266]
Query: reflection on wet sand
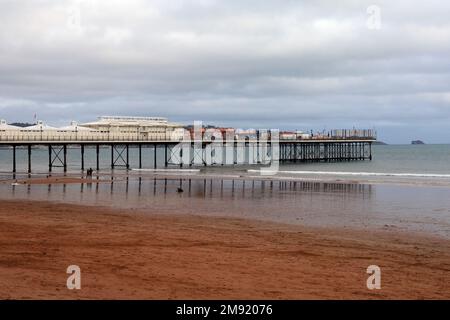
[295,202]
[212,187]
[209,185]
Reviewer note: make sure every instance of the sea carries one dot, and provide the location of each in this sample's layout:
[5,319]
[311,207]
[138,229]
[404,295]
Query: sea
[429,162]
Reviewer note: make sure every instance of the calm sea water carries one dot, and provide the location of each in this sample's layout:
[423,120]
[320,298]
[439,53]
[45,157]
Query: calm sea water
[413,162]
[411,159]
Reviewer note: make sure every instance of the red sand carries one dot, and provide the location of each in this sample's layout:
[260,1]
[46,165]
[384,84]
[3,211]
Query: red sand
[131,255]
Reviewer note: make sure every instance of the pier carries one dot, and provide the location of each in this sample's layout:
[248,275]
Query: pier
[195,153]
[181,146]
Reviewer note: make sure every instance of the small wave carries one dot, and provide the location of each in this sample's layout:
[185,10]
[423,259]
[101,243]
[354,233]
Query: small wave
[381,174]
[167,170]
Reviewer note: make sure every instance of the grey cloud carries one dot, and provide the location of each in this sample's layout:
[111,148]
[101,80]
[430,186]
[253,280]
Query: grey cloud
[291,64]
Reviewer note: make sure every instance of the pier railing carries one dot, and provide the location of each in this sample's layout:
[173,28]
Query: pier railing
[74,137]
[80,137]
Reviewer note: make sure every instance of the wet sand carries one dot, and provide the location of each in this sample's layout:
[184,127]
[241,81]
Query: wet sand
[105,176]
[130,254]
[59,179]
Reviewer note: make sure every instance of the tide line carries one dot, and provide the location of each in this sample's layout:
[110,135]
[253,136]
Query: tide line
[346,173]
[167,170]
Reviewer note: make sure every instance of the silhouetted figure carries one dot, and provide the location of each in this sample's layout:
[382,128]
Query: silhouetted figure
[179,190]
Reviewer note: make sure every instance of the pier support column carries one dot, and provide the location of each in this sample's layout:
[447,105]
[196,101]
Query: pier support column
[50,163]
[181,157]
[140,156]
[54,157]
[120,156]
[65,157]
[165,155]
[360,151]
[82,157]
[154,156]
[128,157]
[14,159]
[112,156]
[29,158]
[258,156]
[295,152]
[97,147]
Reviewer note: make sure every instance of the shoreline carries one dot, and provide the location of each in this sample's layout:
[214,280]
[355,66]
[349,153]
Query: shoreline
[154,256]
[69,178]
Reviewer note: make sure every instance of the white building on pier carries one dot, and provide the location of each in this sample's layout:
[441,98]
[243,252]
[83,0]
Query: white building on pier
[107,128]
[152,128]
[5,127]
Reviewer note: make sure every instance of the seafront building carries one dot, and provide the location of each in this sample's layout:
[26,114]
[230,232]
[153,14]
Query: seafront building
[106,128]
[146,128]
[5,127]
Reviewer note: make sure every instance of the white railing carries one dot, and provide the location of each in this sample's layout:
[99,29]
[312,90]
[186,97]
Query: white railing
[14,136]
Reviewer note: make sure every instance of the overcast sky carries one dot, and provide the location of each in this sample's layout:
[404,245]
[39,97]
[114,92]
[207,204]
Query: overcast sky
[269,64]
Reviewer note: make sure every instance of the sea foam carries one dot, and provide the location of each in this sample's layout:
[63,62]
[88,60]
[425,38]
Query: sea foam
[346,173]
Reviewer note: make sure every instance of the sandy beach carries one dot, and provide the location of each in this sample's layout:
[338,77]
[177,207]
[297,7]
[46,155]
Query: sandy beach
[126,254]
